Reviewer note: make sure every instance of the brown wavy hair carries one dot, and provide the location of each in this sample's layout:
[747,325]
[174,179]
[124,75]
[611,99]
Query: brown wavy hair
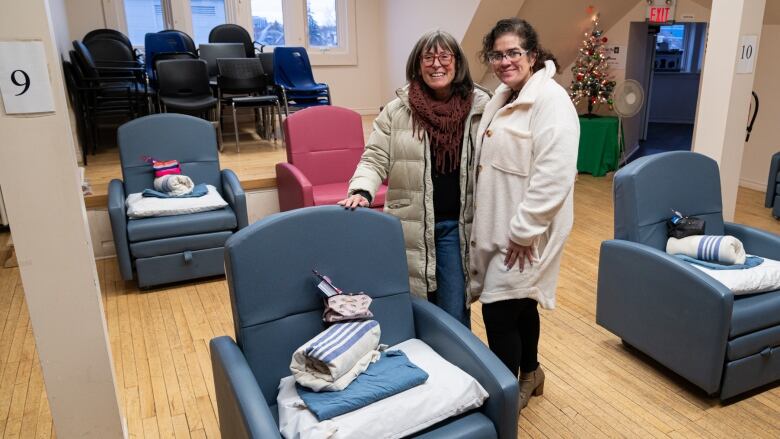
[529,40]
[462,84]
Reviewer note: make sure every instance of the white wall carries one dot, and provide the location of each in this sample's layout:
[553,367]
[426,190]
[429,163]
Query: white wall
[405,21]
[764,139]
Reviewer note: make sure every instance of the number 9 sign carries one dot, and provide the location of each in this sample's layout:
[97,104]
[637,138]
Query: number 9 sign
[25,84]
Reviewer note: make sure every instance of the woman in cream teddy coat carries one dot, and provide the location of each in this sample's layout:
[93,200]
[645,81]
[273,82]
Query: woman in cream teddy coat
[527,154]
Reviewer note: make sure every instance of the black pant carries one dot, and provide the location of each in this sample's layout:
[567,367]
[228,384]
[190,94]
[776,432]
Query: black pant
[512,328]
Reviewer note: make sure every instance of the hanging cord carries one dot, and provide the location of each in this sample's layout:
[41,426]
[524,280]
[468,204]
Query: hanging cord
[753,118]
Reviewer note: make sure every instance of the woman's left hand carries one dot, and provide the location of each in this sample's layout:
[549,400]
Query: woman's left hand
[518,253]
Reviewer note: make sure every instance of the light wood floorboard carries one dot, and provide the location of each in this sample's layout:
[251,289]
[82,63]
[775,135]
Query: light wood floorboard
[595,386]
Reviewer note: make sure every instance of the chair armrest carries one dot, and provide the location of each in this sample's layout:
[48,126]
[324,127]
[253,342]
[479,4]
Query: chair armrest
[236,197]
[243,411]
[294,188]
[117,214]
[666,308]
[458,345]
[756,241]
[774,168]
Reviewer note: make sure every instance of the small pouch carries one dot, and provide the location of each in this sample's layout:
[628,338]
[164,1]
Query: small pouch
[339,306]
[343,307]
[680,226]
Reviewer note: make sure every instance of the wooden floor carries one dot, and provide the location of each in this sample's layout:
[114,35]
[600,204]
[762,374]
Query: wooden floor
[254,164]
[595,386]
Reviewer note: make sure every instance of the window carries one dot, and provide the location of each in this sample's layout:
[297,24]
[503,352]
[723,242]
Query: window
[142,17]
[268,22]
[206,15]
[321,23]
[671,38]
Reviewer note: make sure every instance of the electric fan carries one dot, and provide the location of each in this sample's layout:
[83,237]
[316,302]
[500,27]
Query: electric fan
[627,99]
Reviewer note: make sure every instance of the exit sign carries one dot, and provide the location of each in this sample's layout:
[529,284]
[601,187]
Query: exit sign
[661,11]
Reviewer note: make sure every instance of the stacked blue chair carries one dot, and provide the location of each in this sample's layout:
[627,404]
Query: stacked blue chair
[294,77]
[160,43]
[725,344]
[276,308]
[172,248]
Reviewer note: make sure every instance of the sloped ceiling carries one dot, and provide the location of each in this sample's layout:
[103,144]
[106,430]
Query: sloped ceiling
[771,11]
[559,24]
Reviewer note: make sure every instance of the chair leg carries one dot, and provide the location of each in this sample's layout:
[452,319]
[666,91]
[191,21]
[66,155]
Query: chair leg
[235,126]
[281,128]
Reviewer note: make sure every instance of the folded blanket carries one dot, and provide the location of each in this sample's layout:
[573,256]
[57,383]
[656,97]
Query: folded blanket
[750,262]
[392,374]
[336,356]
[174,184]
[721,249]
[198,190]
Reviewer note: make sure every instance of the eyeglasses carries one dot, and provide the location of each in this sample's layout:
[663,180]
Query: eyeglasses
[513,55]
[445,58]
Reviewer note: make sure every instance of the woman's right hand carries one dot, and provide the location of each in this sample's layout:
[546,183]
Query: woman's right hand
[354,201]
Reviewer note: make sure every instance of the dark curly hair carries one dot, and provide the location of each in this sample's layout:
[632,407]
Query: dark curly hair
[529,41]
[462,84]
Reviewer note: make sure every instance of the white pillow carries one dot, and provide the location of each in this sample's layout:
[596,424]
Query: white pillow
[448,392]
[139,206]
[760,279]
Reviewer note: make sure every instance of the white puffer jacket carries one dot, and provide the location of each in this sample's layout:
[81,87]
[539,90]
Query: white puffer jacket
[394,153]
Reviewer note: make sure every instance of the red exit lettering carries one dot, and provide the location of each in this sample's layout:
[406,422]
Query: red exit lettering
[659,14]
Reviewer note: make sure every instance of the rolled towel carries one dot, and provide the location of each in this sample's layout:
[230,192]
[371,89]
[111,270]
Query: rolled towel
[174,184]
[336,356]
[721,249]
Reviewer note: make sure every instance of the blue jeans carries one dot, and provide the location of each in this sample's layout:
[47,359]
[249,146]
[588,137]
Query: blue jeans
[450,294]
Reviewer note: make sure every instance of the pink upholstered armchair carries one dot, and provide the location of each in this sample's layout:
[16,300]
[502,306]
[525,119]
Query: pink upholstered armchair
[324,145]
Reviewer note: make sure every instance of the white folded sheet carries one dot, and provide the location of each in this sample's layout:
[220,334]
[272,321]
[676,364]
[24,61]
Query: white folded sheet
[139,206]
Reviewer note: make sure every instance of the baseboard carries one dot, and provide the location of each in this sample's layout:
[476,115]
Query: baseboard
[751,184]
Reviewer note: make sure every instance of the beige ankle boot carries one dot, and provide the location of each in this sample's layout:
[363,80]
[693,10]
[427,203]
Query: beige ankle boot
[531,383]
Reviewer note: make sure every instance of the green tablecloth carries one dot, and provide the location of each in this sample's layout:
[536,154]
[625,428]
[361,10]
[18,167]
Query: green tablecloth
[599,146]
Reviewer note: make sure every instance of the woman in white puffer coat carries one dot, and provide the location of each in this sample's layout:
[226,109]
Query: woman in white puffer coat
[527,158]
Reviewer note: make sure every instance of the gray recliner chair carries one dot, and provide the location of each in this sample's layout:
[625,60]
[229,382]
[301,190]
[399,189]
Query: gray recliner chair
[773,186]
[181,247]
[671,311]
[277,308]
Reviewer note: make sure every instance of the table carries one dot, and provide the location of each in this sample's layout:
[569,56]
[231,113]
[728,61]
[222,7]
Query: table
[599,148]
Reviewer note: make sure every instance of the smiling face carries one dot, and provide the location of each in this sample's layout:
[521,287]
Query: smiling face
[438,76]
[512,73]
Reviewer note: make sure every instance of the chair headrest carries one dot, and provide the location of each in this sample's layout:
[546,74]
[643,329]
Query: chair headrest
[647,190]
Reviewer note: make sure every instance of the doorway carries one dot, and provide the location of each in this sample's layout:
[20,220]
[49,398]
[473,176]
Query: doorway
[667,62]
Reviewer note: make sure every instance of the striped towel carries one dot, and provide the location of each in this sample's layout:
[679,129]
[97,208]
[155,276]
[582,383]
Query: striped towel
[336,356]
[726,250]
[165,168]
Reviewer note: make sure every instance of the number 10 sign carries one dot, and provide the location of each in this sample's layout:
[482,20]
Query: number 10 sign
[24,78]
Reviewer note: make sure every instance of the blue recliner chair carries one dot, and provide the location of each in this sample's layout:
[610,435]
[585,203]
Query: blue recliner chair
[671,311]
[181,247]
[277,308]
[773,186]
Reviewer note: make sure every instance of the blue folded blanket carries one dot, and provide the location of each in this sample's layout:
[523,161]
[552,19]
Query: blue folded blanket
[198,191]
[392,373]
[750,262]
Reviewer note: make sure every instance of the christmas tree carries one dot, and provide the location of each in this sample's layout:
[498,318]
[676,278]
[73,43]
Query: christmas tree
[591,79]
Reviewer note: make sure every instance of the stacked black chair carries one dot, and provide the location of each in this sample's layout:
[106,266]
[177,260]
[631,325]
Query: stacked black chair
[106,89]
[245,84]
[233,33]
[111,34]
[212,51]
[183,87]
